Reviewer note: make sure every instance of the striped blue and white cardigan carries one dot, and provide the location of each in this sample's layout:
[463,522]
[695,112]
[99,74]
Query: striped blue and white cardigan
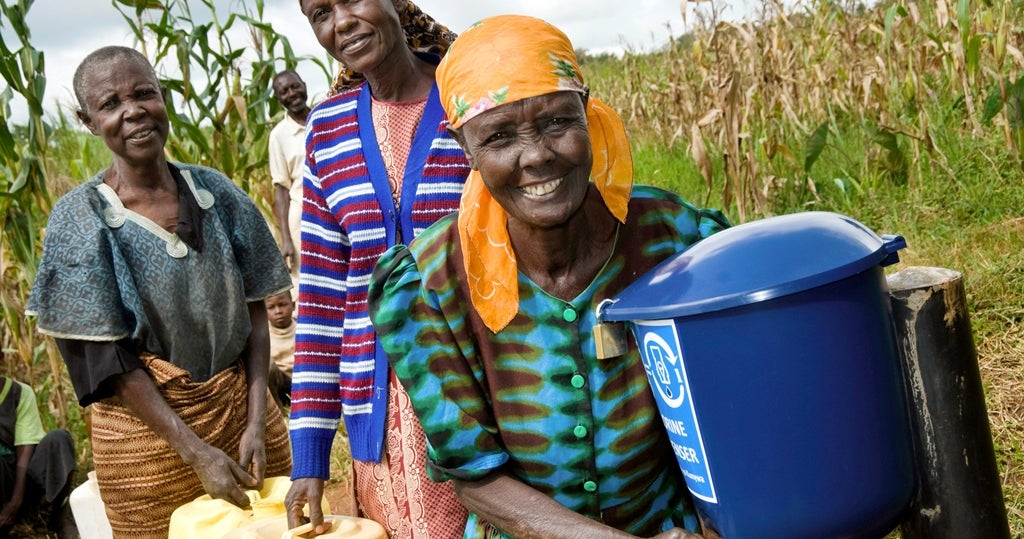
[348,220]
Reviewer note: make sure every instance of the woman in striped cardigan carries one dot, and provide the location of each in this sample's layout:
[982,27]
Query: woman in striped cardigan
[380,168]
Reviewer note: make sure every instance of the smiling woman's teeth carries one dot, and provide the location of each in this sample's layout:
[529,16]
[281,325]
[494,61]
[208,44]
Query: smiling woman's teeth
[542,189]
[354,43]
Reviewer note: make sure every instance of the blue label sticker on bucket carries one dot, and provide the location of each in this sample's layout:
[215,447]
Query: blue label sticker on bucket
[663,361]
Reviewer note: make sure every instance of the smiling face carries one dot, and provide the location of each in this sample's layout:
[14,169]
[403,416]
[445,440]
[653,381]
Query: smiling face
[290,92]
[534,156]
[123,104]
[361,34]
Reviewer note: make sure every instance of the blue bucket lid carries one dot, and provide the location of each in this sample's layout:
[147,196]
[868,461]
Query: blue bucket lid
[754,262]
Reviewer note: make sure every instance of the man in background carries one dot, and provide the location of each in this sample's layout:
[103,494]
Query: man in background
[287,157]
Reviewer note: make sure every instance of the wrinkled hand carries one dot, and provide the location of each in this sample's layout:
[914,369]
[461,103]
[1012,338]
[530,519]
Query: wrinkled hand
[9,512]
[709,532]
[252,454]
[222,477]
[677,533]
[306,490]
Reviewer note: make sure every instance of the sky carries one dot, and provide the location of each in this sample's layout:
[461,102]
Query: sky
[68,30]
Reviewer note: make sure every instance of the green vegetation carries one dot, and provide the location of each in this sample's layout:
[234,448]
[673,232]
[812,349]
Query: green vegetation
[908,116]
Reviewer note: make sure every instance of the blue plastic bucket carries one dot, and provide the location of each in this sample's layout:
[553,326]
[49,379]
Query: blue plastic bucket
[770,348]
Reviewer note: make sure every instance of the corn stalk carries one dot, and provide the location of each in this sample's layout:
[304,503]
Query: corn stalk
[782,103]
[218,67]
[24,204]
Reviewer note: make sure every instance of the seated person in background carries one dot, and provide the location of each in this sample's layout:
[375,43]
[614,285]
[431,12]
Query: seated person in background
[282,346]
[488,317]
[35,466]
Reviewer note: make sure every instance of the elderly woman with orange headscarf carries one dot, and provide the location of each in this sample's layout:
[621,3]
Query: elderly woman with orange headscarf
[489,316]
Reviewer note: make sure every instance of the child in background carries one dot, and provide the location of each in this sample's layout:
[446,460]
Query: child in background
[280,309]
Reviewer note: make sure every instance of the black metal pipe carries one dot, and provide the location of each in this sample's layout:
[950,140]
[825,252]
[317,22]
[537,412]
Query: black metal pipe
[960,495]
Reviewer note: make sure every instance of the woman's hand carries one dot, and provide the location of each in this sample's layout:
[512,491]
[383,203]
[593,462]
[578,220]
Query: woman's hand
[709,532]
[252,449]
[677,533]
[9,511]
[23,456]
[221,476]
[520,510]
[252,455]
[306,490]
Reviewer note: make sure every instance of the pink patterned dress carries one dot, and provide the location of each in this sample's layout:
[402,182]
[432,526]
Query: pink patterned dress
[396,492]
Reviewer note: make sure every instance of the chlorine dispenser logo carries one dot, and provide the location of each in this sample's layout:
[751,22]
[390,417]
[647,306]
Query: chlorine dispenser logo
[666,370]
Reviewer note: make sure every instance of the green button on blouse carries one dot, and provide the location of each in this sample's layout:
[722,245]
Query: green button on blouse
[577,381]
[580,431]
[569,314]
[590,486]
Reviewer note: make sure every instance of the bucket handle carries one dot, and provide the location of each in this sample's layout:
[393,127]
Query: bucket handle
[891,244]
[599,311]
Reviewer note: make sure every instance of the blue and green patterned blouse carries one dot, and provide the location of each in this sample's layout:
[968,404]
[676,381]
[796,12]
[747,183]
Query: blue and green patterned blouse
[108,274]
[533,400]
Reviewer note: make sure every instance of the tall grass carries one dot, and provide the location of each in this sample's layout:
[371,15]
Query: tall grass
[24,202]
[826,97]
[908,116]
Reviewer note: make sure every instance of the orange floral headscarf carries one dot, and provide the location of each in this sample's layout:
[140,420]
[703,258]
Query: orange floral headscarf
[497,61]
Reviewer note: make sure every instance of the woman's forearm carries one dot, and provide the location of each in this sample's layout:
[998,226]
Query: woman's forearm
[257,363]
[219,474]
[23,456]
[137,392]
[526,513]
